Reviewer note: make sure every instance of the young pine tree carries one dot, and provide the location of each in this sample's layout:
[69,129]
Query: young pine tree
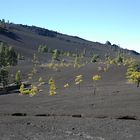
[56,54]
[18,78]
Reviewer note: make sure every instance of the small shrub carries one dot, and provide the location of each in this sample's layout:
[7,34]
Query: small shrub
[31,92]
[133,73]
[66,85]
[78,80]
[94,58]
[134,77]
[42,49]
[52,90]
[95,78]
[55,54]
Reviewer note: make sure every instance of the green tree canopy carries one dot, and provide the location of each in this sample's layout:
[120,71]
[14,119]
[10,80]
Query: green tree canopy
[3,77]
[43,48]
[56,54]
[8,55]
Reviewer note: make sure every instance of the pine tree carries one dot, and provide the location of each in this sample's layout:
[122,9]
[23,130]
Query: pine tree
[8,55]
[3,77]
[56,54]
[12,57]
[18,77]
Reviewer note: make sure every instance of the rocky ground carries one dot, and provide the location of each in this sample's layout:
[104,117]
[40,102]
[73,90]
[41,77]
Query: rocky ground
[73,114]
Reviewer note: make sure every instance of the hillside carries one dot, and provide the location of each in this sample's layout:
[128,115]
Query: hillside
[69,96]
[26,39]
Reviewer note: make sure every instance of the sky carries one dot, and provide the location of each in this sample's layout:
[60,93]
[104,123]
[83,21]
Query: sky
[117,21]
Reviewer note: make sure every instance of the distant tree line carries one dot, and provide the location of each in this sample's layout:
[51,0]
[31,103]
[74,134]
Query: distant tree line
[41,31]
[2,23]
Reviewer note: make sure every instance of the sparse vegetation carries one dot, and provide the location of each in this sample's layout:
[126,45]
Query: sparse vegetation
[119,59]
[95,78]
[55,54]
[35,59]
[2,23]
[30,92]
[78,80]
[94,58]
[18,77]
[133,73]
[59,60]
[66,85]
[43,49]
[52,89]
[20,57]
[3,77]
[8,55]
[134,77]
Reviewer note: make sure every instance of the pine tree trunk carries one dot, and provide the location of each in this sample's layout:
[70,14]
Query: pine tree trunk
[138,83]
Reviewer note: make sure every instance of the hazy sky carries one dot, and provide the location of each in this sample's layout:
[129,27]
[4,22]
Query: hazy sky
[97,20]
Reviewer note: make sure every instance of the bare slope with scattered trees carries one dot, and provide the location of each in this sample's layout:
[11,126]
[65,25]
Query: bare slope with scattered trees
[26,40]
[54,86]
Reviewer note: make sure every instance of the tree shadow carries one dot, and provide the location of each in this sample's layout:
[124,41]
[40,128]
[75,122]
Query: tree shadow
[13,89]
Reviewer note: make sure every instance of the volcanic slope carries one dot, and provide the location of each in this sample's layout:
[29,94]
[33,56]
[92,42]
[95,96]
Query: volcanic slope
[26,39]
